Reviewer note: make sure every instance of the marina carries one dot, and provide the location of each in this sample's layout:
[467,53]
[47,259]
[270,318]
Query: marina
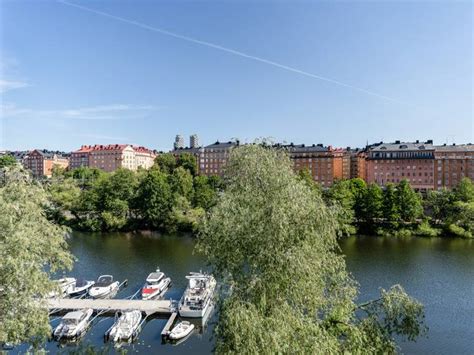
[130,314]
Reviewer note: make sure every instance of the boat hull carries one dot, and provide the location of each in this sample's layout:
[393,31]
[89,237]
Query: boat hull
[103,292]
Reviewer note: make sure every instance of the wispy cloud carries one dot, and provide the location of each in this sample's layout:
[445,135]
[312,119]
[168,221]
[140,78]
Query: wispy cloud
[7,85]
[101,112]
[232,51]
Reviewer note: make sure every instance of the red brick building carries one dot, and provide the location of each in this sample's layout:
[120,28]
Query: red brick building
[324,163]
[393,162]
[42,162]
[112,157]
[452,163]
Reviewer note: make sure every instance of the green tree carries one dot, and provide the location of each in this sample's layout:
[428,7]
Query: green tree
[30,248]
[166,162]
[205,195]
[272,242]
[465,190]
[372,203]
[341,198]
[65,197]
[58,171]
[181,182]
[116,193]
[441,204]
[307,178]
[188,162]
[390,207]
[409,202]
[7,160]
[155,198]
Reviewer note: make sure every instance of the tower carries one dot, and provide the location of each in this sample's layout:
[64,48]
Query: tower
[194,141]
[179,142]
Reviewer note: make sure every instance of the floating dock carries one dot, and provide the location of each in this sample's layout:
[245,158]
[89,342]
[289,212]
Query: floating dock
[111,306]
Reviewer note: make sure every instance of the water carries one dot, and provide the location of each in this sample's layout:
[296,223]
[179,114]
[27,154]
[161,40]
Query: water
[439,272]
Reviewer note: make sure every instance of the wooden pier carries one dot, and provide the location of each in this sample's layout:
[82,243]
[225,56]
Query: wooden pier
[166,330]
[110,306]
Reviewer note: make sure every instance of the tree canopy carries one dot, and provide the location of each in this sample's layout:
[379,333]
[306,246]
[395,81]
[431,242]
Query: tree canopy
[272,241]
[31,247]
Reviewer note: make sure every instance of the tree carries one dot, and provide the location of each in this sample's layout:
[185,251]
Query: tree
[154,198]
[7,160]
[64,196]
[31,247]
[409,202]
[116,193]
[272,242]
[465,190]
[58,171]
[372,203]
[205,195]
[441,204]
[341,198]
[390,208]
[188,162]
[166,162]
[181,182]
[305,176]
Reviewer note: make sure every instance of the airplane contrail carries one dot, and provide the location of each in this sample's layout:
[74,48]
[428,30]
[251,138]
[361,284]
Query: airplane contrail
[231,51]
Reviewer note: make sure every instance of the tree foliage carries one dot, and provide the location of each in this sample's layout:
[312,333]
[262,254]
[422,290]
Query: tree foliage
[272,241]
[6,161]
[30,248]
[165,197]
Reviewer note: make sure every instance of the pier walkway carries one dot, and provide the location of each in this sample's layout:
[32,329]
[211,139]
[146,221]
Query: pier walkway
[104,306]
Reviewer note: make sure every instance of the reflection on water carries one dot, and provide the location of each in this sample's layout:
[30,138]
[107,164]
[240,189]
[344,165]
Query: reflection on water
[439,272]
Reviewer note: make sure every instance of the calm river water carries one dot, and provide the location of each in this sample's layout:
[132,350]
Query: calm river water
[439,272]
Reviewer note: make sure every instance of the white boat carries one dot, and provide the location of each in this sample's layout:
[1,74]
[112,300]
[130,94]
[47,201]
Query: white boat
[197,297]
[73,324]
[80,287]
[156,284]
[181,330]
[64,285]
[104,287]
[126,326]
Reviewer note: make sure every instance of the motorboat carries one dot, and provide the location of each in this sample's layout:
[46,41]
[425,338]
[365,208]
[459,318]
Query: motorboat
[181,330]
[126,326]
[104,287]
[63,286]
[156,284]
[80,287]
[198,296]
[73,324]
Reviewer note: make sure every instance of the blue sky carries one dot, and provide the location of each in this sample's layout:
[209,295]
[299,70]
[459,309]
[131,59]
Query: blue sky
[338,73]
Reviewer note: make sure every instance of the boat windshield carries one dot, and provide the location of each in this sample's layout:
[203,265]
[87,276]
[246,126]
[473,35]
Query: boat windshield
[104,280]
[81,283]
[70,321]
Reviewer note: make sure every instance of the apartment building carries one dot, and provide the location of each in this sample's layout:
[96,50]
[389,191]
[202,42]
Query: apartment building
[452,163]
[113,156]
[394,162]
[42,162]
[358,164]
[324,163]
[213,158]
[80,157]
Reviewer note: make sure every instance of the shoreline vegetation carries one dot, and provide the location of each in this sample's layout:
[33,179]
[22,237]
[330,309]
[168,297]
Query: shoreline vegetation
[172,198]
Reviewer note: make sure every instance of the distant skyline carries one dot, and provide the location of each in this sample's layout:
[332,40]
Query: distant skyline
[139,72]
